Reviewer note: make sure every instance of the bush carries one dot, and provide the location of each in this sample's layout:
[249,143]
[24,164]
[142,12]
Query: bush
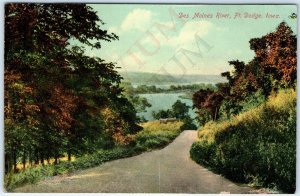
[257,146]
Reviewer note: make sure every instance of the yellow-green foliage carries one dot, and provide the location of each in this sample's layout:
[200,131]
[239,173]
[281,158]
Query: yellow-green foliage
[258,145]
[156,134]
[155,127]
[284,101]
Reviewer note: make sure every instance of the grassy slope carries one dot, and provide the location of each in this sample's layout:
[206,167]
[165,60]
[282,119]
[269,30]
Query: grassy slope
[257,146]
[155,135]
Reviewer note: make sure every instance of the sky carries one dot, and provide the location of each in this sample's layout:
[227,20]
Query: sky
[168,39]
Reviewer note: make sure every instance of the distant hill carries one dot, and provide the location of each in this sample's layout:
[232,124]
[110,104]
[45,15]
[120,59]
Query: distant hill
[153,78]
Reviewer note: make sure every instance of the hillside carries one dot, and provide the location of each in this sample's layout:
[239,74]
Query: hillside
[257,146]
[153,78]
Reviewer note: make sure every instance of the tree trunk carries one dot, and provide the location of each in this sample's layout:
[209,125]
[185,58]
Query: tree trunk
[15,162]
[36,161]
[24,160]
[7,163]
[30,158]
[42,159]
[55,160]
[69,156]
[69,152]
[216,114]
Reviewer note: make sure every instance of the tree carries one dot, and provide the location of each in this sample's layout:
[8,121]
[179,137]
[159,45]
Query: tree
[55,94]
[213,103]
[162,114]
[277,51]
[180,110]
[209,102]
[199,97]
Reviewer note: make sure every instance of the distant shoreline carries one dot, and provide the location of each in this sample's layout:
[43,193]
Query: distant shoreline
[140,78]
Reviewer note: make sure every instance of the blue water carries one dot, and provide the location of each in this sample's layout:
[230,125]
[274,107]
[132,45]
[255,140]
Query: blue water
[163,101]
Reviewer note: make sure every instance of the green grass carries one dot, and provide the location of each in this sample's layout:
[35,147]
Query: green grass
[154,135]
[257,146]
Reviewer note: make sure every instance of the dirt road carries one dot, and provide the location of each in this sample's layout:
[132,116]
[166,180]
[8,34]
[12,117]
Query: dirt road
[169,170]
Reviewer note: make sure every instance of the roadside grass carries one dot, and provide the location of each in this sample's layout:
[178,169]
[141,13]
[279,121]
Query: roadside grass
[154,135]
[46,162]
[256,147]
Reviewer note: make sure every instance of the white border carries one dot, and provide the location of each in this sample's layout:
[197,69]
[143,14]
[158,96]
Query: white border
[2,3]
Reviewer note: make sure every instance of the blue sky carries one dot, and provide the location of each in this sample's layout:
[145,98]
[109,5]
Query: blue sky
[152,38]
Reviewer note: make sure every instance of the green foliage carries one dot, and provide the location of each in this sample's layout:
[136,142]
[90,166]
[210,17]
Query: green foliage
[230,108]
[156,134]
[142,89]
[188,124]
[162,114]
[179,111]
[256,146]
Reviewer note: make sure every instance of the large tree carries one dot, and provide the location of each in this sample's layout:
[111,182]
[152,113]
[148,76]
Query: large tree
[277,52]
[55,95]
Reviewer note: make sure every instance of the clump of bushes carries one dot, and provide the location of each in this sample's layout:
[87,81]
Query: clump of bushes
[154,135]
[257,146]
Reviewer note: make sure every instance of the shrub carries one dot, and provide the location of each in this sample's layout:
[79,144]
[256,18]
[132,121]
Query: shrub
[257,146]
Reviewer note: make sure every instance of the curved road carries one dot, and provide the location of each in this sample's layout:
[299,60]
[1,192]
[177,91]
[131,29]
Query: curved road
[169,170]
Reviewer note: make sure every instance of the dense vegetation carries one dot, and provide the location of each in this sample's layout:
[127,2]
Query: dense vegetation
[58,101]
[256,142]
[272,68]
[257,146]
[179,111]
[154,135]
[142,89]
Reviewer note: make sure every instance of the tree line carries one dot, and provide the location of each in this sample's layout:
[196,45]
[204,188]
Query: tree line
[273,67]
[142,89]
[58,100]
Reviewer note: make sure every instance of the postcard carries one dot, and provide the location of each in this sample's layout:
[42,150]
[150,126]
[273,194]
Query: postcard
[150,98]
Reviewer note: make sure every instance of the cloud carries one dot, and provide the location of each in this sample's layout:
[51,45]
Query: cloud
[187,34]
[137,19]
[184,37]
